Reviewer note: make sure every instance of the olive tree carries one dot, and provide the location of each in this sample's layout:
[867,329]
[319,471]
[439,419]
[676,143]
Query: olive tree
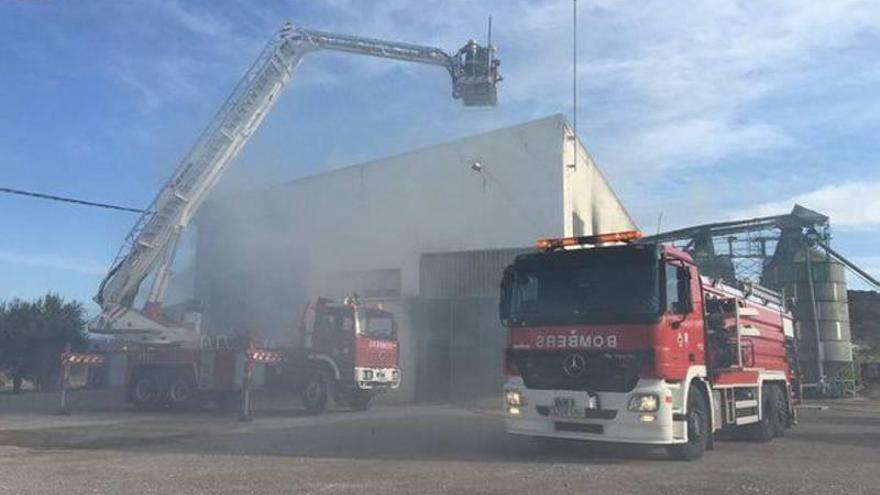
[34,333]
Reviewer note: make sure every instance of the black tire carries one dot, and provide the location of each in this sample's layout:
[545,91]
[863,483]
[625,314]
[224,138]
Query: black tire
[780,411]
[144,392]
[316,393]
[359,400]
[180,393]
[762,431]
[698,428]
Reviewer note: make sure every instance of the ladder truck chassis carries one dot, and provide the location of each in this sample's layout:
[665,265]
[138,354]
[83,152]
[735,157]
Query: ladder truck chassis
[182,381]
[348,364]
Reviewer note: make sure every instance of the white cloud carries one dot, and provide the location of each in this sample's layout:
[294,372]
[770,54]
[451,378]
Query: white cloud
[682,143]
[53,262]
[851,205]
[662,84]
[682,80]
[201,23]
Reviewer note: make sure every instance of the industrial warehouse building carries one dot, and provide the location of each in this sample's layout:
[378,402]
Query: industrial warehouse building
[426,233]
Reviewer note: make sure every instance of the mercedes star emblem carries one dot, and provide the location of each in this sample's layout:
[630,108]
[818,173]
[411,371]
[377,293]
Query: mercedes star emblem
[574,365]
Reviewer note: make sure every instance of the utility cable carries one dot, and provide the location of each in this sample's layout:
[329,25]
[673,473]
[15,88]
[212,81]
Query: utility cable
[62,199]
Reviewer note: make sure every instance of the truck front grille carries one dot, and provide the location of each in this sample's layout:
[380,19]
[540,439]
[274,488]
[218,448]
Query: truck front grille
[603,371]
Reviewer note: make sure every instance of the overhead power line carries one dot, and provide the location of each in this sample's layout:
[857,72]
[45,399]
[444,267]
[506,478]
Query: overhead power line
[62,199]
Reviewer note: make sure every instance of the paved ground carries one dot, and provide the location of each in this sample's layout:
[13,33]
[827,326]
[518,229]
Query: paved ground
[411,449]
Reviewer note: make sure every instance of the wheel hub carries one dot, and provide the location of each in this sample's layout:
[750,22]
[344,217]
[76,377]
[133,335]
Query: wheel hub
[313,391]
[144,391]
[179,391]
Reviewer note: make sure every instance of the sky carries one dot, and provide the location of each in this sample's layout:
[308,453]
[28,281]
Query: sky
[704,111]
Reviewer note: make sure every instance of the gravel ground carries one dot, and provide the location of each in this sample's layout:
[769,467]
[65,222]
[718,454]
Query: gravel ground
[412,449]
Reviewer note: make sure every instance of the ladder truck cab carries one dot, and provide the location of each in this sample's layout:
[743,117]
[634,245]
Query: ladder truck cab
[347,352]
[616,340]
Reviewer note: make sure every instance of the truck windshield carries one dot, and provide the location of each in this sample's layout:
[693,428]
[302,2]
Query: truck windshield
[375,323]
[604,285]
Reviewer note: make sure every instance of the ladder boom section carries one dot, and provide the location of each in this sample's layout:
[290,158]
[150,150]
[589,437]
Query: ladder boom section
[474,72]
[474,68]
[380,48]
[180,197]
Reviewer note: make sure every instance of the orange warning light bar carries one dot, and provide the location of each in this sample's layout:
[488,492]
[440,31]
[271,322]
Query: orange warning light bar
[588,240]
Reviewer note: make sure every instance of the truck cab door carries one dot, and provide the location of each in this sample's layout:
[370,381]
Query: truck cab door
[333,336]
[683,318]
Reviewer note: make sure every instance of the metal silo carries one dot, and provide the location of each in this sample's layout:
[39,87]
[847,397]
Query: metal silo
[818,283]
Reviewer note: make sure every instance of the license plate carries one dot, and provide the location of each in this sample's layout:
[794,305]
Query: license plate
[564,407]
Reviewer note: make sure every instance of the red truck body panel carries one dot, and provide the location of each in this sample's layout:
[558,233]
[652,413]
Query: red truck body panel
[678,341]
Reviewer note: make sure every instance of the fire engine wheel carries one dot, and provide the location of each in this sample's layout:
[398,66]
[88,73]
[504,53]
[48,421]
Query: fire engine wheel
[145,393]
[316,393]
[780,411]
[181,392]
[359,400]
[763,430]
[698,429]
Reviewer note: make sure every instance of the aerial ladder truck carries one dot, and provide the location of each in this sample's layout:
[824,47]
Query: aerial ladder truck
[150,247]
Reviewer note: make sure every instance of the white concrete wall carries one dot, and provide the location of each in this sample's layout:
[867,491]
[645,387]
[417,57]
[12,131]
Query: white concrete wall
[261,255]
[587,193]
[432,200]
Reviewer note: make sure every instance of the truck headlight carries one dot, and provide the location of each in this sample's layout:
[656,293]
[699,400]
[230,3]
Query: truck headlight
[643,403]
[514,398]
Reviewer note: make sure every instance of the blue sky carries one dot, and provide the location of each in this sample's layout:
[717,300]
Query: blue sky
[702,110]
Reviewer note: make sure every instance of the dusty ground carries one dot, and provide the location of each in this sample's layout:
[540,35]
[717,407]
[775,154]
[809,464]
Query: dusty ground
[411,449]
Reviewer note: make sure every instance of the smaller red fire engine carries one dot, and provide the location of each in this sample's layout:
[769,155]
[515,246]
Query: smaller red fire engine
[346,351]
[612,339]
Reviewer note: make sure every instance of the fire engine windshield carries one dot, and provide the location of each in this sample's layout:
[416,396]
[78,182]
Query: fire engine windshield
[375,323]
[604,285]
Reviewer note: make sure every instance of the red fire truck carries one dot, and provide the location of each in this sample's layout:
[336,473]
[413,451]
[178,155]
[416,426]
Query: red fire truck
[345,351]
[612,339]
[350,351]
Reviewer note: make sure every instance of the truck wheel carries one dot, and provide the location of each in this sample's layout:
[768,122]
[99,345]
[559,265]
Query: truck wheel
[762,431]
[145,392]
[780,411]
[316,393]
[359,400]
[697,428]
[181,392]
